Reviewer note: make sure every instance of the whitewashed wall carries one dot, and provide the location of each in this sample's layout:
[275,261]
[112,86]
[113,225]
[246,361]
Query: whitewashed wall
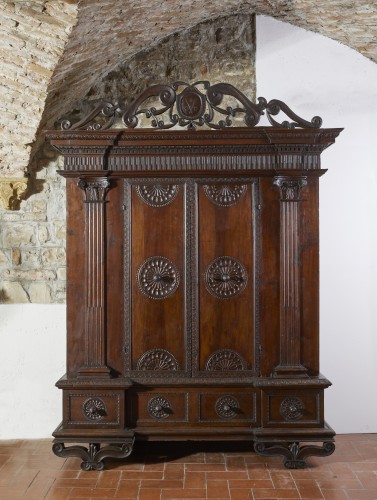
[314,75]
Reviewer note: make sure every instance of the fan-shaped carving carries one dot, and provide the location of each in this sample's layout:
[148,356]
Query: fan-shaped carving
[157,359]
[225,277]
[225,195]
[157,277]
[225,360]
[157,195]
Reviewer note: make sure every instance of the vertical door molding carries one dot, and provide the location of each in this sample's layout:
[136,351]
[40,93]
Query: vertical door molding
[290,276]
[95,189]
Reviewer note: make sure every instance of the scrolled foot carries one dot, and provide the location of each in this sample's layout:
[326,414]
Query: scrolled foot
[93,456]
[294,454]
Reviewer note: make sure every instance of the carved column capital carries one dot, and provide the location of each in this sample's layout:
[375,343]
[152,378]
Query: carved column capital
[290,186]
[95,188]
[12,191]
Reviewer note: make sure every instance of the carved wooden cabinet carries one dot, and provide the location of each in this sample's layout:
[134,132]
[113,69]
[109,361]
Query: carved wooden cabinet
[193,289]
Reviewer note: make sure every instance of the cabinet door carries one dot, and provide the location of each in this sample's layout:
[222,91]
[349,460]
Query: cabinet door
[190,277]
[155,278]
[227,256]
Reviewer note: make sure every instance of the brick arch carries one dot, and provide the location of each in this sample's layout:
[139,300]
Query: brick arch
[96,35]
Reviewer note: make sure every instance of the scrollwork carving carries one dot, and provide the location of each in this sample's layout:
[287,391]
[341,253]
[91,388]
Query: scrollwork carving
[95,189]
[198,104]
[225,360]
[290,187]
[157,278]
[225,277]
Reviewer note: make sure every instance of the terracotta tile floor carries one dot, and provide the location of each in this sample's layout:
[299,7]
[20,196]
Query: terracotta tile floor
[29,470]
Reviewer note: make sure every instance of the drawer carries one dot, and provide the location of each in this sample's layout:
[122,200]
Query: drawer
[160,407]
[292,408]
[228,407]
[93,408]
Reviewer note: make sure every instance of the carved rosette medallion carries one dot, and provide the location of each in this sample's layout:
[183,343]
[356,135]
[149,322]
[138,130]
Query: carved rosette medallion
[225,360]
[94,409]
[159,407]
[157,195]
[225,195]
[157,359]
[292,408]
[225,277]
[227,407]
[158,278]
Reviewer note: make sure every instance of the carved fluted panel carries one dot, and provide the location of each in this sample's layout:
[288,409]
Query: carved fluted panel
[95,190]
[290,292]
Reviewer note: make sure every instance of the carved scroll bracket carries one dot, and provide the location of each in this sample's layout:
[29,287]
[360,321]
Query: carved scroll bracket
[95,189]
[12,191]
[290,279]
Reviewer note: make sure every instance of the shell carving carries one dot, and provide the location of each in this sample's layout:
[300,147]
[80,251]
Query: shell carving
[225,195]
[157,359]
[225,360]
[157,195]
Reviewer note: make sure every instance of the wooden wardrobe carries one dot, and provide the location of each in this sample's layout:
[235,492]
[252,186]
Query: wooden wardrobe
[193,276]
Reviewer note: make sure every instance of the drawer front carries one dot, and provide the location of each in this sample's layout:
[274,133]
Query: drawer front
[228,407]
[293,408]
[160,407]
[94,408]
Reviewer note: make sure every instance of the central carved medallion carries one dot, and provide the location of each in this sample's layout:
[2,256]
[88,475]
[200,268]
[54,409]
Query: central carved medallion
[225,195]
[227,407]
[157,278]
[157,195]
[225,277]
[159,407]
[292,408]
[190,104]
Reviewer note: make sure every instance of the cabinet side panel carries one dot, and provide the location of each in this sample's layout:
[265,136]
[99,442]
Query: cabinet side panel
[226,276]
[309,229]
[269,276]
[158,263]
[75,277]
[114,274]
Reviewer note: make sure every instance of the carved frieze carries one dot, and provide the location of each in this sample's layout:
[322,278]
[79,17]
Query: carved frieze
[225,277]
[225,195]
[157,359]
[157,278]
[225,360]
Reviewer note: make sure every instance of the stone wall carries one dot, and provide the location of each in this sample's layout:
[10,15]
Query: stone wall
[32,246]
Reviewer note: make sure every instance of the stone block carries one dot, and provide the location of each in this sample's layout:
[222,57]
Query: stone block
[53,256]
[39,293]
[13,293]
[16,256]
[43,234]
[28,275]
[31,257]
[60,230]
[4,258]
[39,205]
[61,273]
[18,234]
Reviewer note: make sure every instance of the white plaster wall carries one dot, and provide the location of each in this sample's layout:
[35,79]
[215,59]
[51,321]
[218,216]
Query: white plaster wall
[32,359]
[315,75]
